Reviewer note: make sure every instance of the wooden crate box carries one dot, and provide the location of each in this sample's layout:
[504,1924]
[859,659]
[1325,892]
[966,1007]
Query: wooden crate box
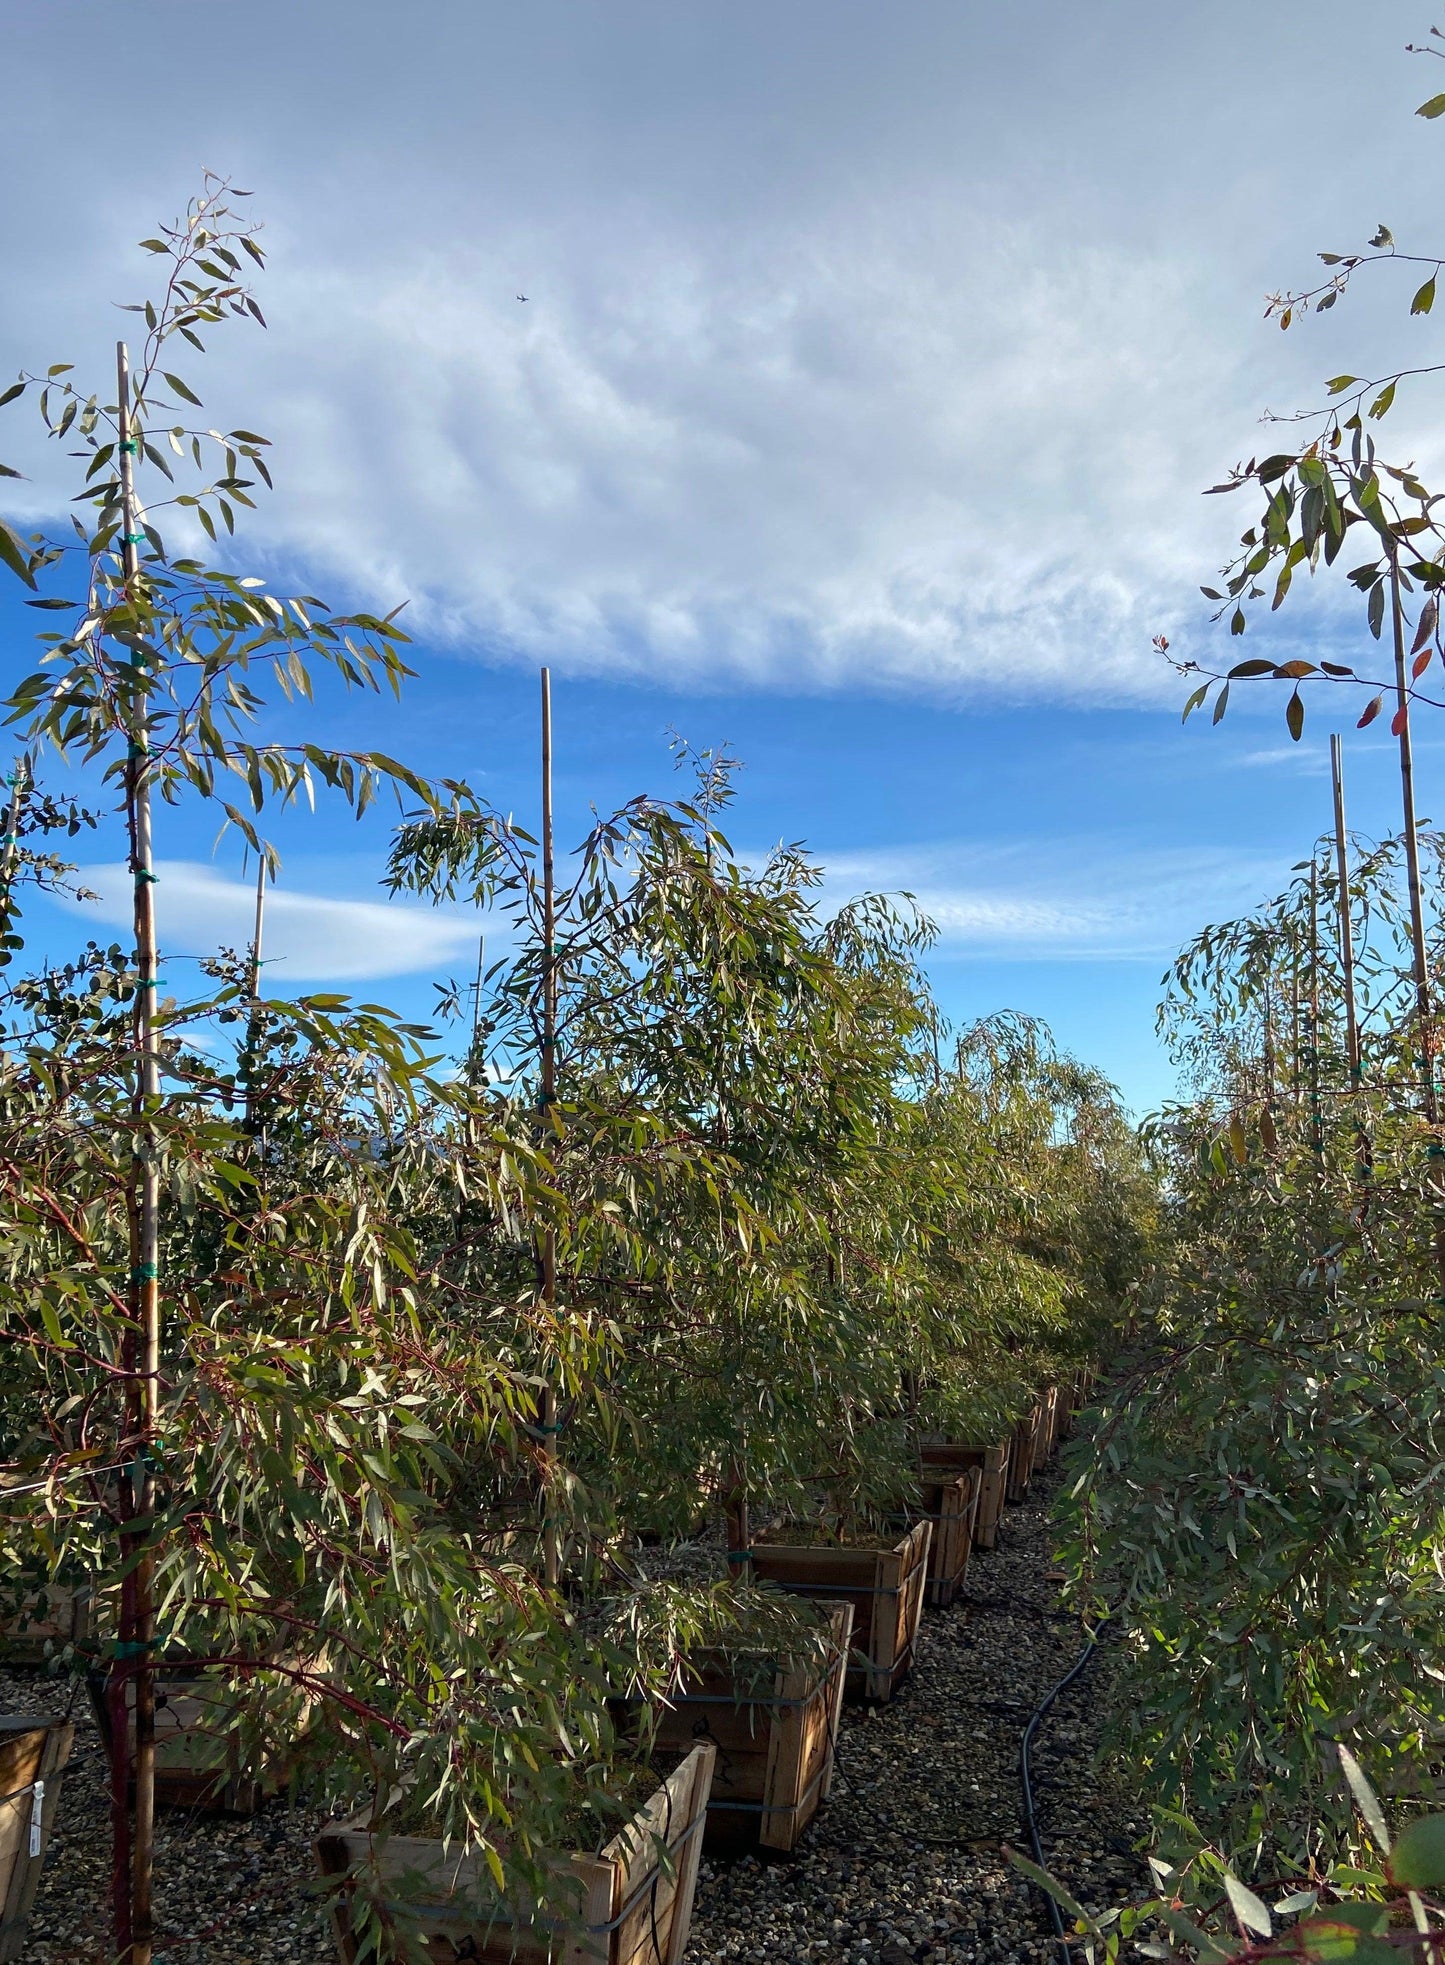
[885,1587]
[632,1910]
[33,1753]
[199,1761]
[45,1623]
[1021,1457]
[950,1503]
[992,1465]
[775,1740]
[1048,1438]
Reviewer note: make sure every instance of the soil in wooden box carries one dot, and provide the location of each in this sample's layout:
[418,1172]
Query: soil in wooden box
[884,1585]
[202,1760]
[33,1753]
[632,1907]
[774,1723]
[991,1464]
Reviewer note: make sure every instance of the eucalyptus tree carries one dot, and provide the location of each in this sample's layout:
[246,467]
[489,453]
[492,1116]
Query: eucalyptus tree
[1265,1488]
[230,1411]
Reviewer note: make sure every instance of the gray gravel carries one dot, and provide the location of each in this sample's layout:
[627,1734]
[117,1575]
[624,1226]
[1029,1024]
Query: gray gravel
[904,1864]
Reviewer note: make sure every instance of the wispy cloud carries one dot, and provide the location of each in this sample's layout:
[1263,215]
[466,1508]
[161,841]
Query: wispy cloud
[308,937]
[1050,900]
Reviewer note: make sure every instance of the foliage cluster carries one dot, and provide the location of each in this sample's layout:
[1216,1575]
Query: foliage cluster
[736,1227]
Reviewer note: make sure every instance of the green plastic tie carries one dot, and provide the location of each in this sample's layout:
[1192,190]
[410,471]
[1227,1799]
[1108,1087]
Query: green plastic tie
[142,878]
[129,446]
[1435,1151]
[134,538]
[739,1555]
[135,1648]
[145,1272]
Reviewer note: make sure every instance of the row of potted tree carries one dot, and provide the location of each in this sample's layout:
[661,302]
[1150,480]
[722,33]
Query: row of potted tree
[354,1401]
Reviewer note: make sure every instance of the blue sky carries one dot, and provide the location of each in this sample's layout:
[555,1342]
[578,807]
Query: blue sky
[872,365]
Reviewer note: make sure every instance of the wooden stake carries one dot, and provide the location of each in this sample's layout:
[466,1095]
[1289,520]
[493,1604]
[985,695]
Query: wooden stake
[134,1661]
[1347,935]
[547,1414]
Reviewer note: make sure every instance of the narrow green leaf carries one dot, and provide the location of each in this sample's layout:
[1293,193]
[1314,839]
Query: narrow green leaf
[15,555]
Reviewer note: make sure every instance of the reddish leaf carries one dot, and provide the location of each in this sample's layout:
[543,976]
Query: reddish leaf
[1372,710]
[1422,662]
[1399,719]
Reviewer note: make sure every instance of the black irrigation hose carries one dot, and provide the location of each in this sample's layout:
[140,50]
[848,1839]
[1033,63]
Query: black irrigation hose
[1031,1820]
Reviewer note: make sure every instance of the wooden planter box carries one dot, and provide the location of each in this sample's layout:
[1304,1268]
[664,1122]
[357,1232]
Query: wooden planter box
[198,1744]
[774,1742]
[632,1911]
[46,1624]
[884,1586]
[33,1753]
[1021,1456]
[992,1465]
[1048,1432]
[950,1503]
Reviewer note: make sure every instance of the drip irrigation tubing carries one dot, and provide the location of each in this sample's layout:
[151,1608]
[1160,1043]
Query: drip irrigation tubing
[1031,1820]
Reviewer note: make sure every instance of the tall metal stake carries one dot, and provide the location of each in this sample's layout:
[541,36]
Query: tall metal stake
[1347,934]
[134,1662]
[547,1413]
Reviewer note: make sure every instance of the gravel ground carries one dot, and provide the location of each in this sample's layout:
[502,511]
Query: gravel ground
[903,1865]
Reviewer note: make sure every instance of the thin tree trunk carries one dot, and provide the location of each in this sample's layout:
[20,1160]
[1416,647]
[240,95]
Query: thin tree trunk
[134,1924]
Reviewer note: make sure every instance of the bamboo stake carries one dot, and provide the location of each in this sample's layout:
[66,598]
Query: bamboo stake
[474,1065]
[19,782]
[547,1415]
[142,1350]
[1347,936]
[1424,1009]
[1317,1129]
[253,1027]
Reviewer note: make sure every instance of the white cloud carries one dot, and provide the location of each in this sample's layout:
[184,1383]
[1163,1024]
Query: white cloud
[857,352]
[1047,900]
[307,936]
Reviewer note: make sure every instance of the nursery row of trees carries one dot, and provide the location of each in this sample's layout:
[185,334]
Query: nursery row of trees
[362,1377]
[1266,1495]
